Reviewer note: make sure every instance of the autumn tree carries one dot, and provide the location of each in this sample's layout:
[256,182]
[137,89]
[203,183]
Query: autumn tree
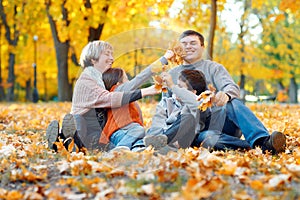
[212,28]
[137,43]
[290,34]
[243,26]
[71,24]
[279,40]
[62,46]
[2,93]
[12,37]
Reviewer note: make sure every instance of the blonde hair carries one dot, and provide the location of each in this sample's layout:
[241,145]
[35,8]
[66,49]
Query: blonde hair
[92,51]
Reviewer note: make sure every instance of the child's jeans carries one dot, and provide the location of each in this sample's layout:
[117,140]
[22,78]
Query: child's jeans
[129,136]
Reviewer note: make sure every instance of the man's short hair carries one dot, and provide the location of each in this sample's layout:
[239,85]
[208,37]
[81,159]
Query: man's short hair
[192,32]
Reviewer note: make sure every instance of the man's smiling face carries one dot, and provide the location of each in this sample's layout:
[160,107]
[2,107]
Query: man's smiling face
[193,49]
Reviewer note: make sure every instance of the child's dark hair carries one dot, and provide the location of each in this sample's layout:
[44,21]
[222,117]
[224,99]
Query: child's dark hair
[194,79]
[112,76]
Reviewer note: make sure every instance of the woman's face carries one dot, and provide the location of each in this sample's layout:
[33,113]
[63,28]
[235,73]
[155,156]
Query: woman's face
[105,60]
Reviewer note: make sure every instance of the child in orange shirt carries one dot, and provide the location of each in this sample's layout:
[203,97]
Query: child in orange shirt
[124,126]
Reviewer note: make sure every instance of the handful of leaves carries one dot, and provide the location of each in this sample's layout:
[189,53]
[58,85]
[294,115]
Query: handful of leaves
[179,53]
[159,84]
[207,98]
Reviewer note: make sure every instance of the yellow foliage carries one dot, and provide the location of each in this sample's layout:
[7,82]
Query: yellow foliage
[292,5]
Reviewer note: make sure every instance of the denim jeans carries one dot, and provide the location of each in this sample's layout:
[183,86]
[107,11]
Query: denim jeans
[214,139]
[251,127]
[182,130]
[237,119]
[130,136]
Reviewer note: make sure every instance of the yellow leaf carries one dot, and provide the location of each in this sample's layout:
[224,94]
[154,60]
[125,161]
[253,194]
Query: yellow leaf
[256,184]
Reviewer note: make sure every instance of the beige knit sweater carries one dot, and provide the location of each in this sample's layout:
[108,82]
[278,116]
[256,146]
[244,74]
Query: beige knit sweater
[89,92]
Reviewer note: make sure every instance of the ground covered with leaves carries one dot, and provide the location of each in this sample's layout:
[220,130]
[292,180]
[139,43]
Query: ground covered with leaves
[28,170]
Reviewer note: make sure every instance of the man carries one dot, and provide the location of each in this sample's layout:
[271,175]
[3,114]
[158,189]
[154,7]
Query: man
[238,116]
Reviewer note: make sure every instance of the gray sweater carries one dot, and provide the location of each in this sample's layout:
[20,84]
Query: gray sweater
[169,108]
[215,74]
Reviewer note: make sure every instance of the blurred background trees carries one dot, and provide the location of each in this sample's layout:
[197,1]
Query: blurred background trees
[257,41]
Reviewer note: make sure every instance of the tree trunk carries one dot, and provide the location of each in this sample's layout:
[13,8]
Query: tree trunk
[12,37]
[213,21]
[64,87]
[62,51]
[280,85]
[95,33]
[293,89]
[28,92]
[2,93]
[11,77]
[242,87]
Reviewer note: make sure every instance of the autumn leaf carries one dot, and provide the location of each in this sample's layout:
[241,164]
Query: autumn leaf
[29,170]
[159,84]
[179,53]
[206,98]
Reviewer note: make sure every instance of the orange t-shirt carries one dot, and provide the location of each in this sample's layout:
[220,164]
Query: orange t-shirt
[120,117]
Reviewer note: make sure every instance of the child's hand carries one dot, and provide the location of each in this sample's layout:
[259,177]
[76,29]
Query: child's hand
[159,83]
[179,53]
[169,54]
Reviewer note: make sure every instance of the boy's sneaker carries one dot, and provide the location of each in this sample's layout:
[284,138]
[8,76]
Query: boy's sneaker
[120,148]
[68,126]
[52,134]
[156,141]
[166,149]
[67,143]
[138,149]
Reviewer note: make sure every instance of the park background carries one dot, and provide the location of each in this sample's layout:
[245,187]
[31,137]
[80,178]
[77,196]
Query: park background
[257,41]
[41,41]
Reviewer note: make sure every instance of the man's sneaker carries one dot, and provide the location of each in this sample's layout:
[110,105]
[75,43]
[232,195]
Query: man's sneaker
[52,134]
[156,141]
[275,143]
[68,126]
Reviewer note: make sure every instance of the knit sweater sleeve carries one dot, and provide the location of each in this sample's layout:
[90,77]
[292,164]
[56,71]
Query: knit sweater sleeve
[136,82]
[158,119]
[142,77]
[221,79]
[88,94]
[188,98]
